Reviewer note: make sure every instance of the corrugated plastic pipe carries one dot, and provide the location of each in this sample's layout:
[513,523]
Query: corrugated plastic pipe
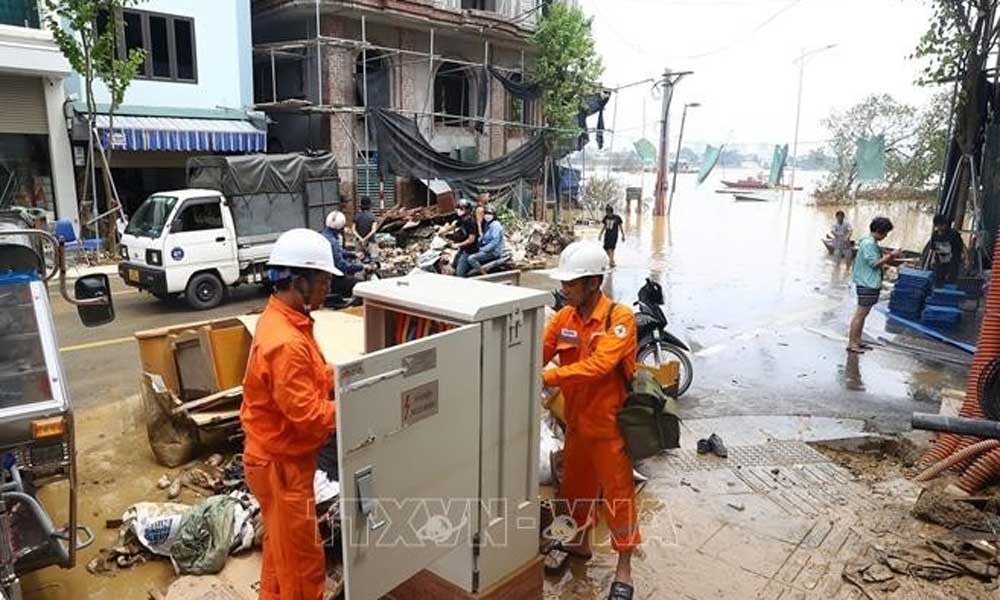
[987,350]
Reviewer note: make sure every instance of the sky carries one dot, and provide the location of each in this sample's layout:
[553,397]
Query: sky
[742,53]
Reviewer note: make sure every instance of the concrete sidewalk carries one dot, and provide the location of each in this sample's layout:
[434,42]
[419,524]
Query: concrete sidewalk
[776,519]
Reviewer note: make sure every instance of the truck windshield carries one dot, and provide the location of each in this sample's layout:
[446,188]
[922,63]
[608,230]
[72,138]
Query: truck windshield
[151,217]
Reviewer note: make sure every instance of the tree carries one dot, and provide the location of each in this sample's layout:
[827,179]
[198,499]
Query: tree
[876,115]
[598,193]
[87,32]
[956,47]
[567,66]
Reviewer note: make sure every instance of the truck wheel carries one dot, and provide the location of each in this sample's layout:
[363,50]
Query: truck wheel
[204,291]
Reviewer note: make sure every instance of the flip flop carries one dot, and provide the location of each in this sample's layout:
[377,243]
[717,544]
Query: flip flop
[856,350]
[621,591]
[559,546]
[866,346]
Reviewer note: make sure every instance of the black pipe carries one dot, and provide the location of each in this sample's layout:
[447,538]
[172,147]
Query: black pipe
[960,425]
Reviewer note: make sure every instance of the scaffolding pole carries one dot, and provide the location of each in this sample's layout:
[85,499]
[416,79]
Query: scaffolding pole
[319,55]
[428,103]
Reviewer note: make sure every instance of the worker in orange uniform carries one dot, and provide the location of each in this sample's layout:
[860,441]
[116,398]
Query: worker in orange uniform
[595,341]
[288,414]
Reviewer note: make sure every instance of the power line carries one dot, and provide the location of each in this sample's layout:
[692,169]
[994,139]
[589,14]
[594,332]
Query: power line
[792,4]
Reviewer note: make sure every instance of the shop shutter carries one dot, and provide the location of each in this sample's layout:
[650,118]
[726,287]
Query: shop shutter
[22,105]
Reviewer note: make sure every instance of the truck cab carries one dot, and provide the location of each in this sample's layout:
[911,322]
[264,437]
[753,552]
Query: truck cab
[182,242]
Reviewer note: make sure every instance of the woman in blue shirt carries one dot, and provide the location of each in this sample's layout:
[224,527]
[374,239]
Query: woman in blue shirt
[868,265]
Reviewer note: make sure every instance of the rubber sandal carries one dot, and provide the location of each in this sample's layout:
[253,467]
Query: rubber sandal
[555,561]
[572,553]
[621,591]
[856,350]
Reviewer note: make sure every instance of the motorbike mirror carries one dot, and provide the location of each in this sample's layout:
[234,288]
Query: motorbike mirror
[94,286]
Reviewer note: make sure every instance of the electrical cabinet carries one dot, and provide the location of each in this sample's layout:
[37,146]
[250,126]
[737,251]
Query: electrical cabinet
[438,433]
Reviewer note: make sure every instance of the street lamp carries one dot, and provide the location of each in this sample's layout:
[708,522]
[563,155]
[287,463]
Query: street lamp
[798,110]
[677,155]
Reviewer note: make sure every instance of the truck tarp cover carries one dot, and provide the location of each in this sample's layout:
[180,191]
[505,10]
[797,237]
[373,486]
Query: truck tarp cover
[259,173]
[404,151]
[267,192]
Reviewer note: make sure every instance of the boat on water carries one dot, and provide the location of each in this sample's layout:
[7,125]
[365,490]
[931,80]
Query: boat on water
[748,183]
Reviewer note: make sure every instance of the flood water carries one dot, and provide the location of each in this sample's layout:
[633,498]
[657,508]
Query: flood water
[765,309]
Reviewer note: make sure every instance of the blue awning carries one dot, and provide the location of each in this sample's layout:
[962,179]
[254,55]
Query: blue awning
[164,134]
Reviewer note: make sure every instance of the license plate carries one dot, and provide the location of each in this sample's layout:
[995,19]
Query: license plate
[133,275]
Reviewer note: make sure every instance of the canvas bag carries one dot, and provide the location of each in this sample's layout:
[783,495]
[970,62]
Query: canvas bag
[649,422]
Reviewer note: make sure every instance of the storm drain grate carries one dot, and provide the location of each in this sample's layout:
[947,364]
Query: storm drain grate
[768,455]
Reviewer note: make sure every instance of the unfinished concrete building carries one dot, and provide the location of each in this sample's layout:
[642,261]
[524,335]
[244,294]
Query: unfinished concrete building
[317,63]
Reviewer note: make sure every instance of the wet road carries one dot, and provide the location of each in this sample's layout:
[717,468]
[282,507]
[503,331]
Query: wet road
[102,363]
[766,309]
[747,284]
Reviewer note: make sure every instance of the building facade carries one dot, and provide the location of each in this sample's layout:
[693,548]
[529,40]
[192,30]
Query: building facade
[422,58]
[193,96]
[36,169]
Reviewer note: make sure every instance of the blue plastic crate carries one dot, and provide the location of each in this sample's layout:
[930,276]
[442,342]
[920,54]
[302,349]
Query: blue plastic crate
[941,314]
[946,297]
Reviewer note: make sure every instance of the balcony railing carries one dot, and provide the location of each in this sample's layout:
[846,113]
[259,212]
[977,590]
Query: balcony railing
[19,13]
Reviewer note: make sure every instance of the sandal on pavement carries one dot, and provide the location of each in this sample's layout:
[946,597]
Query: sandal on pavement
[621,591]
[855,350]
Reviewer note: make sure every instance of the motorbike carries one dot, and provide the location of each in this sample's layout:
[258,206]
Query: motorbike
[656,345]
[440,259]
[37,439]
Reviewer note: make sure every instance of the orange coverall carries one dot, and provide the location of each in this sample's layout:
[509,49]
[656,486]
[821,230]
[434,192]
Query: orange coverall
[597,466]
[287,415]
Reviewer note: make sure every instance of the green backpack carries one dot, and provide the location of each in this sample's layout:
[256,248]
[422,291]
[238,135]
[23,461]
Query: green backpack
[649,421]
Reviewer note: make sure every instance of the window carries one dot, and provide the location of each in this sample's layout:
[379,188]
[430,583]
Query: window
[19,13]
[201,216]
[168,41]
[487,5]
[452,94]
[518,111]
[379,77]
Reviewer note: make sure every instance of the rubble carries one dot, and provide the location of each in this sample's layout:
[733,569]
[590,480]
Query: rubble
[405,234]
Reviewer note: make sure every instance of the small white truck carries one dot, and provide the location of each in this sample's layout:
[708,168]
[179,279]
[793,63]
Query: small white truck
[199,242]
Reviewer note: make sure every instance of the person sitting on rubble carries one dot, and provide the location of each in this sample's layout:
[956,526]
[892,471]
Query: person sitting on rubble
[465,236]
[287,415]
[347,262]
[491,243]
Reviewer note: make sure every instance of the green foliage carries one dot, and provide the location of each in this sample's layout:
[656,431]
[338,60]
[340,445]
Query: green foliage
[915,141]
[92,53]
[951,36]
[567,65]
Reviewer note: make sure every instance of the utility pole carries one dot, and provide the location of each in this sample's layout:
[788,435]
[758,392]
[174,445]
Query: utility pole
[668,82]
[677,155]
[798,109]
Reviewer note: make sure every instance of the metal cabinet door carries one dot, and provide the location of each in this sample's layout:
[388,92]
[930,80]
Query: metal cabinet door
[408,442]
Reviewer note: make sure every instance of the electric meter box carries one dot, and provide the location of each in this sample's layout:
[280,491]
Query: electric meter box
[438,434]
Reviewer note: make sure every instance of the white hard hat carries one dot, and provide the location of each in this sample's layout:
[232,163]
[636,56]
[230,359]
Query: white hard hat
[581,259]
[336,220]
[303,249]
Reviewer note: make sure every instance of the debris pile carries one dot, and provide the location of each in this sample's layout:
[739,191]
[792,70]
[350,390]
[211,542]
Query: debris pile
[405,234]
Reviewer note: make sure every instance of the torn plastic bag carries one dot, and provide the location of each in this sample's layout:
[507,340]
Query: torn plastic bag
[155,524]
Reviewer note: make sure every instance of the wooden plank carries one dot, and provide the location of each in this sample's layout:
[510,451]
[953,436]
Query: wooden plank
[214,418]
[230,347]
[210,400]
